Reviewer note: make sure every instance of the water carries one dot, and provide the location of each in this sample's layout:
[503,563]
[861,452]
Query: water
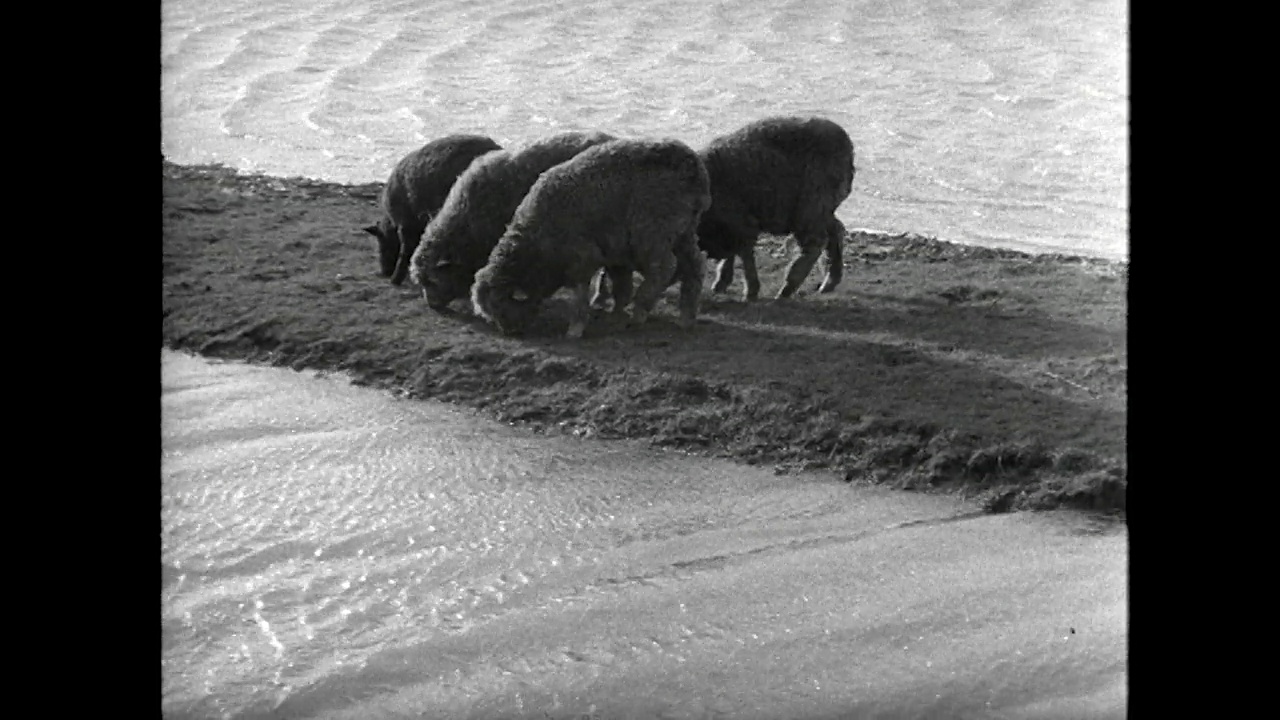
[979,121]
[331,551]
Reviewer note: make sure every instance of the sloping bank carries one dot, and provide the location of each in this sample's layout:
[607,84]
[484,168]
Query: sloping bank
[933,366]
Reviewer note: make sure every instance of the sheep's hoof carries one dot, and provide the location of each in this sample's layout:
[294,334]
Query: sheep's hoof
[686,323]
[827,286]
[719,287]
[576,330]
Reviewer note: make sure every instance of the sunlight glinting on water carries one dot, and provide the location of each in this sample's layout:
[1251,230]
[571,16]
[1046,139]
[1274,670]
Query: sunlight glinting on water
[329,551]
[990,123]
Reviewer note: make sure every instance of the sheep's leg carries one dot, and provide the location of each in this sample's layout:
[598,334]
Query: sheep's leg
[410,236]
[657,273]
[600,295]
[749,273]
[615,281]
[834,254]
[581,309]
[798,270]
[620,278]
[724,275]
[690,271]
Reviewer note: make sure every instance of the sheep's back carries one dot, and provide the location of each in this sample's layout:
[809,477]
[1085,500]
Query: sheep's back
[782,171]
[481,204]
[624,179]
[422,180]
[577,209]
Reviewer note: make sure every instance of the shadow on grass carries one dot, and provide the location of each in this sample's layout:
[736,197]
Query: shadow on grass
[1023,332]
[850,375]
[874,412]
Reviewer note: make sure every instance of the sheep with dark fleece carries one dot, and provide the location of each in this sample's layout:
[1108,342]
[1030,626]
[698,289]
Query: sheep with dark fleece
[626,205]
[415,191]
[474,216]
[780,175]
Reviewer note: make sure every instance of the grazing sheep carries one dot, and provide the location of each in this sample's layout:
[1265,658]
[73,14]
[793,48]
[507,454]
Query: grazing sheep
[778,175]
[415,191]
[460,237]
[626,205]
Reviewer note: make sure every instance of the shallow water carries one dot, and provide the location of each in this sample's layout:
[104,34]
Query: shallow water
[331,551]
[989,122]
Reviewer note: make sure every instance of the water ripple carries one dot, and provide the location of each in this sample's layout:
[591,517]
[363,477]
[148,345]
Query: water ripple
[342,90]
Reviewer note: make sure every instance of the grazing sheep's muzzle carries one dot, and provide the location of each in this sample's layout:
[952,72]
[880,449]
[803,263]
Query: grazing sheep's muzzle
[443,282]
[436,296]
[435,302]
[511,310]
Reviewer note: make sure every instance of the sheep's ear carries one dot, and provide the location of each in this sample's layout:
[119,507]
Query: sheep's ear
[374,231]
[520,296]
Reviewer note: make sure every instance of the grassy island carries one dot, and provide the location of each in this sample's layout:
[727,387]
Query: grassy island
[933,366]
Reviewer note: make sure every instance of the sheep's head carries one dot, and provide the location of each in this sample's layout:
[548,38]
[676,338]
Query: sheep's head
[443,279]
[443,283]
[388,245]
[510,308]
